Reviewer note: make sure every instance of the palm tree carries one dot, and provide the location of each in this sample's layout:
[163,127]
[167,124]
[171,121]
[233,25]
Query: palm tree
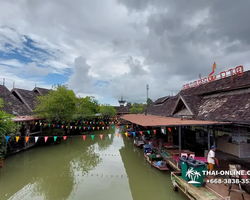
[190,173]
[196,175]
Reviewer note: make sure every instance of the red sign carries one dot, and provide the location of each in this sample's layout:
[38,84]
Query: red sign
[238,71]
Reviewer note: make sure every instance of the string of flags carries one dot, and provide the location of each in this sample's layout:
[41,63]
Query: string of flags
[27,138]
[84,136]
[80,127]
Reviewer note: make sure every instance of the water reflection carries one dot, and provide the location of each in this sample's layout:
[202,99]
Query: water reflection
[111,168]
[49,171]
[144,180]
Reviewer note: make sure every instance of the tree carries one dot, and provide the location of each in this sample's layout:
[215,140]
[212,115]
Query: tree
[129,104]
[107,110]
[137,108]
[7,127]
[149,101]
[87,106]
[57,105]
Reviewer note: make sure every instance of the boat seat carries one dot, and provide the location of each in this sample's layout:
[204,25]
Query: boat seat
[192,156]
[184,155]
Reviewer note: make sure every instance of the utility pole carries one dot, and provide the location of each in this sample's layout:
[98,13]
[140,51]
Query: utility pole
[147,88]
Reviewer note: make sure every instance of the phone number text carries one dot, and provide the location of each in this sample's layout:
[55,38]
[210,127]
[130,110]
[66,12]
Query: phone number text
[229,181]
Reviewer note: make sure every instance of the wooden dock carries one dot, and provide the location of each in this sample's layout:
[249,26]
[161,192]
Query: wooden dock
[192,192]
[171,162]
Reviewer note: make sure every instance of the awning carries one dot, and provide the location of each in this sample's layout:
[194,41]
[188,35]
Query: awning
[26,118]
[152,120]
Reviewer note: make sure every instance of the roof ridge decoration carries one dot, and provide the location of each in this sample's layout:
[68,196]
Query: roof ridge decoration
[224,74]
[184,102]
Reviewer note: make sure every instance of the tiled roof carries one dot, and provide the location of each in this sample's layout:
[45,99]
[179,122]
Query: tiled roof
[151,120]
[122,109]
[164,109]
[11,104]
[226,99]
[232,106]
[219,85]
[41,91]
[26,96]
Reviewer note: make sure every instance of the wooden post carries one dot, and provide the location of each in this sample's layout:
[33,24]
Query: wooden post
[160,147]
[214,142]
[179,140]
[208,138]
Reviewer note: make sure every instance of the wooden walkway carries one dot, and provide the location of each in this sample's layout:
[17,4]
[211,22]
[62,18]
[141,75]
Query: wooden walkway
[171,162]
[195,193]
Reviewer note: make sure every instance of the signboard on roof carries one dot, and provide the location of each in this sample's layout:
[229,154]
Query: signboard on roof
[237,71]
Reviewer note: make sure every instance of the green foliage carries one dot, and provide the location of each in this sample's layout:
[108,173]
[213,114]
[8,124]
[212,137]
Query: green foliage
[87,106]
[7,127]
[137,108]
[149,101]
[107,110]
[59,105]
[129,104]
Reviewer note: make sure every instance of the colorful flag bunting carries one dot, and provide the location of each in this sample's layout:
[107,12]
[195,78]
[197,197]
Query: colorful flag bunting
[64,137]
[141,132]
[169,130]
[101,136]
[83,137]
[17,138]
[46,138]
[92,137]
[162,130]
[55,137]
[109,136]
[27,138]
[154,131]
[148,132]
[36,138]
[117,134]
[7,138]
[126,134]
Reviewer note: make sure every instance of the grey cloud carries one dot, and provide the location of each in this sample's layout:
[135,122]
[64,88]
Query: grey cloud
[80,81]
[174,40]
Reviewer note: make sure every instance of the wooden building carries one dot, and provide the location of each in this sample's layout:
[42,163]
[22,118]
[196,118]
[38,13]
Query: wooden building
[20,103]
[122,109]
[224,100]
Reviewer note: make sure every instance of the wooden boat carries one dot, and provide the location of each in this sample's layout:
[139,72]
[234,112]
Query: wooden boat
[154,159]
[138,143]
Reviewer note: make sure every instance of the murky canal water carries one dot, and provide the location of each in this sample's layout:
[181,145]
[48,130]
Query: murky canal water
[108,169]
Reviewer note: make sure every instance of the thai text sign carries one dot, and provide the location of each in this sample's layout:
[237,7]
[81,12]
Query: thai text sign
[237,71]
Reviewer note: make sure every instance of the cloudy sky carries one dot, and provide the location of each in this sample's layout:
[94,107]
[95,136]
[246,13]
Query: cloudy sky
[113,47]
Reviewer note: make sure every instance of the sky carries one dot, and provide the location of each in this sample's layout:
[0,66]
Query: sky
[116,47]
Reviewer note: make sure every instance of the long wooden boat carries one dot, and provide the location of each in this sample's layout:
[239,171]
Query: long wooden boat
[154,159]
[160,164]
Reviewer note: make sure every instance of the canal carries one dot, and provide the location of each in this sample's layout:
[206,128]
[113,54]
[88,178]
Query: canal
[110,168]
